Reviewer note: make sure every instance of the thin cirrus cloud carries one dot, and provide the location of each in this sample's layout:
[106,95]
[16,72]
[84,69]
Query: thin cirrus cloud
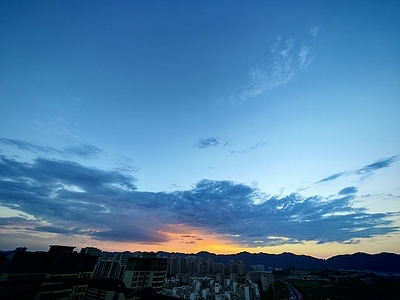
[71,199]
[252,148]
[365,171]
[283,67]
[305,56]
[82,150]
[212,142]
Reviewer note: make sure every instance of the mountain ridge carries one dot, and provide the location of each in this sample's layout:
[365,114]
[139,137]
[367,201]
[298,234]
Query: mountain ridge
[379,262]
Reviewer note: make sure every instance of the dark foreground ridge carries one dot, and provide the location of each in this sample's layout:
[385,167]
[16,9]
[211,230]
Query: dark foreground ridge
[62,273]
[382,262]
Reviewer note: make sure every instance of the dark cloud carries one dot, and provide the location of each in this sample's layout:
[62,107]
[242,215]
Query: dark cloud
[348,190]
[142,235]
[105,205]
[60,230]
[209,142]
[332,177]
[17,221]
[364,171]
[380,164]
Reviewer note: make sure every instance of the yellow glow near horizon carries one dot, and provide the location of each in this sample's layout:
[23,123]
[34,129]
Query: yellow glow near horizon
[214,245]
[185,239]
[188,240]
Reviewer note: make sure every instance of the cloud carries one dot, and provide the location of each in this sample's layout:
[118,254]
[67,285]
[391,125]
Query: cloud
[79,150]
[273,241]
[314,31]
[365,171]
[209,142]
[348,190]
[60,230]
[380,164]
[282,68]
[71,199]
[332,177]
[254,147]
[31,147]
[18,221]
[85,151]
[352,242]
[304,57]
[280,72]
[258,83]
[138,235]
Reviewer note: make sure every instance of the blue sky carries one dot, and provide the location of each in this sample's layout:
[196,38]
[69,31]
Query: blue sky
[211,125]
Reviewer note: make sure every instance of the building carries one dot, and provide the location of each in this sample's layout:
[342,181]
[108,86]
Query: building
[36,269]
[267,280]
[106,269]
[234,277]
[146,271]
[258,267]
[241,268]
[91,251]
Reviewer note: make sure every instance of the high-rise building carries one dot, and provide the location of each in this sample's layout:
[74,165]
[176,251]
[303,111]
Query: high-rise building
[267,280]
[258,267]
[247,293]
[231,267]
[106,269]
[147,271]
[91,251]
[174,264]
[220,278]
[234,277]
[241,268]
[60,264]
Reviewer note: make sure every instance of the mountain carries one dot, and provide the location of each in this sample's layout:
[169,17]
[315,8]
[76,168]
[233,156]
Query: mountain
[382,262]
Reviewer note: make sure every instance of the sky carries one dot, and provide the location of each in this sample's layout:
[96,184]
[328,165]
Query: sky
[187,126]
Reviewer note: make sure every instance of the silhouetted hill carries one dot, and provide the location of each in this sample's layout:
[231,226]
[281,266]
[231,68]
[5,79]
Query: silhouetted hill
[383,262]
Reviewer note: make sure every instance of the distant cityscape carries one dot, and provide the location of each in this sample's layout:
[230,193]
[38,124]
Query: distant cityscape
[63,273]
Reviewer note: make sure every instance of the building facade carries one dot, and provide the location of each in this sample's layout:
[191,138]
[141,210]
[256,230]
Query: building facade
[146,271]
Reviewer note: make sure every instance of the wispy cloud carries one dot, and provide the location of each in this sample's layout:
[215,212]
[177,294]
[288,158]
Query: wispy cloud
[380,164]
[208,142]
[332,177]
[283,66]
[365,171]
[82,150]
[85,151]
[31,147]
[314,31]
[59,230]
[304,57]
[71,199]
[252,148]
